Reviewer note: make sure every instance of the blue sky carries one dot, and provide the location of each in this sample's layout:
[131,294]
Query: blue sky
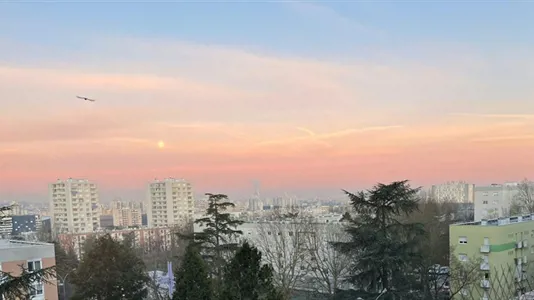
[318,29]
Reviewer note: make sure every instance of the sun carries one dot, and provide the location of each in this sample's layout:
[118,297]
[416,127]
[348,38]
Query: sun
[161,144]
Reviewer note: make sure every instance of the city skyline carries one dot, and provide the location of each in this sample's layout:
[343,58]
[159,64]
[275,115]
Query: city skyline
[328,97]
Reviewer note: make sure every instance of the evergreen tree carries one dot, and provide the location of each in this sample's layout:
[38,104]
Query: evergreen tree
[215,240]
[66,263]
[245,278]
[383,249]
[110,270]
[192,278]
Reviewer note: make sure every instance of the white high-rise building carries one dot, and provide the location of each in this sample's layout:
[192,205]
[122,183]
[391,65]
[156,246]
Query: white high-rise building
[74,206]
[170,202]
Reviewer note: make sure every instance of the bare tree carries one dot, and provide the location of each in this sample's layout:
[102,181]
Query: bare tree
[463,277]
[283,245]
[524,199]
[327,267]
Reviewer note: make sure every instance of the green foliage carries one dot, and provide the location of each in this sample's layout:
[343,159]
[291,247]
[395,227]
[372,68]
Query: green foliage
[192,278]
[215,239]
[18,287]
[66,262]
[384,249]
[110,270]
[246,278]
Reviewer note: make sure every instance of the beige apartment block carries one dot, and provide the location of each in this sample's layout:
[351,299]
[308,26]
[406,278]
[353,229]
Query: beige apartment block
[126,214]
[74,206]
[170,202]
[33,256]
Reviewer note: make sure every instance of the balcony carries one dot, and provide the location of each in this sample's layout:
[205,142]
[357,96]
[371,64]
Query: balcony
[484,266]
[485,284]
[485,249]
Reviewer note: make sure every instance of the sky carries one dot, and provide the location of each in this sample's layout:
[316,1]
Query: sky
[307,98]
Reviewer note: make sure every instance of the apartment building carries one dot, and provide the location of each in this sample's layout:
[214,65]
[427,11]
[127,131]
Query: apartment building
[453,191]
[502,251]
[170,202]
[126,214]
[494,201]
[33,256]
[74,206]
[150,239]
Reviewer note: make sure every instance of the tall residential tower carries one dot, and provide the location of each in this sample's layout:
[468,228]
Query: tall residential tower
[170,202]
[74,206]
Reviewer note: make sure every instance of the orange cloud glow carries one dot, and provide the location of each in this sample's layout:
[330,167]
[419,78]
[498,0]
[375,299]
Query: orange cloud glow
[227,116]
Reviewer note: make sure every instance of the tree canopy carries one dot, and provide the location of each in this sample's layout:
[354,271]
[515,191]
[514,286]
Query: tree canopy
[246,278]
[110,270]
[192,278]
[382,247]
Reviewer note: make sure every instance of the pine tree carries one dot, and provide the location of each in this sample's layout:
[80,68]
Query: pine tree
[110,270]
[246,278]
[215,240]
[192,278]
[383,249]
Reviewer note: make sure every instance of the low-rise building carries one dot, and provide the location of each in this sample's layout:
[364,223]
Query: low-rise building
[147,238]
[33,256]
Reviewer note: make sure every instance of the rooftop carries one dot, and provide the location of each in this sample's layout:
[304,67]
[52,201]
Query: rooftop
[11,244]
[500,221]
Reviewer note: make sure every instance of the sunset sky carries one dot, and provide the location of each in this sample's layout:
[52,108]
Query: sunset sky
[305,98]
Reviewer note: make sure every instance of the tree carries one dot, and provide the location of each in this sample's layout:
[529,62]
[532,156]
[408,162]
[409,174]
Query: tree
[215,240]
[523,201]
[66,263]
[110,270]
[192,278]
[245,278]
[19,286]
[383,249]
[327,267]
[463,276]
[283,245]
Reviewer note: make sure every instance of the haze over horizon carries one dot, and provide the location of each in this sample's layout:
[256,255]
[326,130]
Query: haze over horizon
[307,98]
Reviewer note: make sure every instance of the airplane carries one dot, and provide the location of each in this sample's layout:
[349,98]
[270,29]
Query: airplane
[85,98]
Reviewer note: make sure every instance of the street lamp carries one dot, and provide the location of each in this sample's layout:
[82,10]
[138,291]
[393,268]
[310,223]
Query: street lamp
[63,280]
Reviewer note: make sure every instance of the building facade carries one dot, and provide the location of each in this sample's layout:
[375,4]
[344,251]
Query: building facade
[126,214]
[32,256]
[170,202]
[502,251]
[74,206]
[453,191]
[494,201]
[150,239]
[27,223]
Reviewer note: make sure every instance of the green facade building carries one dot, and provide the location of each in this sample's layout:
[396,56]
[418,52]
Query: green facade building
[501,250]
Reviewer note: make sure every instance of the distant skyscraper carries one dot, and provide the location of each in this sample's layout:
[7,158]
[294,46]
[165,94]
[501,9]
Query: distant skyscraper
[74,206]
[453,191]
[170,202]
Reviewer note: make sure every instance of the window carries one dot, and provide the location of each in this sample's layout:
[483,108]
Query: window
[37,286]
[462,240]
[462,257]
[484,202]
